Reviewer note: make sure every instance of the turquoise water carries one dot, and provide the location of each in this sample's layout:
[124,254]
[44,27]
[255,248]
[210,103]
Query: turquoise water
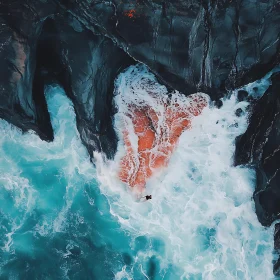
[55,223]
[62,218]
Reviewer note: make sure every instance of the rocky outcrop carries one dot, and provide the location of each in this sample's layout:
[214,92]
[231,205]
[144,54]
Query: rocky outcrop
[55,47]
[86,66]
[259,146]
[20,27]
[276,265]
[209,45]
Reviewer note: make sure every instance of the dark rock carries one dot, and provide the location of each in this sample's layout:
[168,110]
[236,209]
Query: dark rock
[239,112]
[191,45]
[260,146]
[86,65]
[218,103]
[277,237]
[209,45]
[276,265]
[242,95]
[40,45]
[22,100]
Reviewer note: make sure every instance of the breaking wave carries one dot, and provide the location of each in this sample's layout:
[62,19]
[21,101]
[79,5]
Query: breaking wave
[62,218]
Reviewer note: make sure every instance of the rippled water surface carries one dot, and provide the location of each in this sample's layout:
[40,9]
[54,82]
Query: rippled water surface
[62,218]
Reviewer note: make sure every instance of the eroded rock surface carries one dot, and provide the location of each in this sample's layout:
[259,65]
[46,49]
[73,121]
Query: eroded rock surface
[191,45]
[260,147]
[209,45]
[86,66]
[276,267]
[20,28]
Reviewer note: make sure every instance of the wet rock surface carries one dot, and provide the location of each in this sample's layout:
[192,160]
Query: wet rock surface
[22,103]
[209,46]
[86,66]
[260,147]
[190,45]
[276,265]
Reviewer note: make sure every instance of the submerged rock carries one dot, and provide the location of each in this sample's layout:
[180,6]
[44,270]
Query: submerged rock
[239,112]
[218,103]
[242,95]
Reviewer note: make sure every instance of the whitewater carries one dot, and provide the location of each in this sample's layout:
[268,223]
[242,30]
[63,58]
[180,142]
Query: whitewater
[61,217]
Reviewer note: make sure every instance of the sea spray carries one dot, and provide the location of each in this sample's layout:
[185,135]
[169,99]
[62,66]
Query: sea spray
[150,125]
[54,222]
[61,218]
[202,213]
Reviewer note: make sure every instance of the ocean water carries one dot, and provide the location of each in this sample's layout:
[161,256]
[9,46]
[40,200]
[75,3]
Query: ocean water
[63,218]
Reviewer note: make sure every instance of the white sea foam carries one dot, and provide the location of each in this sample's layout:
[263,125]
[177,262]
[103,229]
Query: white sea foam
[257,88]
[200,223]
[202,207]
[19,195]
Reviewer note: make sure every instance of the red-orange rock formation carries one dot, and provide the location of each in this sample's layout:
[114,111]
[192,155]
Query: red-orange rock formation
[158,134]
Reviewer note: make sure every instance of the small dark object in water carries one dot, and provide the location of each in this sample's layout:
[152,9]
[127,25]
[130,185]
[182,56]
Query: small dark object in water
[218,103]
[239,112]
[148,197]
[242,95]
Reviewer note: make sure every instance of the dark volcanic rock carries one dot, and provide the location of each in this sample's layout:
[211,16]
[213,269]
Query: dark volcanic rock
[276,265]
[242,95]
[208,45]
[239,112]
[22,102]
[40,48]
[191,45]
[218,103]
[260,147]
[86,65]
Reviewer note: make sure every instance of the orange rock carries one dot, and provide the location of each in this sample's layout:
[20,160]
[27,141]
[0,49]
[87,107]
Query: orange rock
[130,13]
[156,139]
